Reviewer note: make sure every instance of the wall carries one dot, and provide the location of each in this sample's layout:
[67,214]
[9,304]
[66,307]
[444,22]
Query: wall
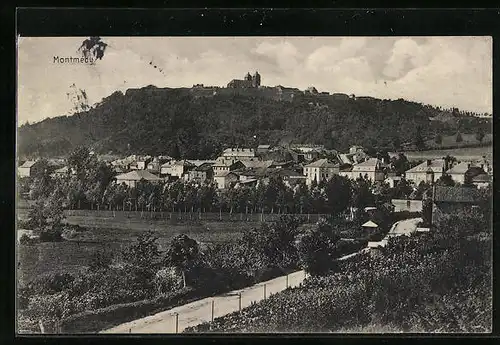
[401,205]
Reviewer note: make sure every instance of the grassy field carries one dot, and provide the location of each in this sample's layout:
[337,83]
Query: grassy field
[463,153]
[102,233]
[467,140]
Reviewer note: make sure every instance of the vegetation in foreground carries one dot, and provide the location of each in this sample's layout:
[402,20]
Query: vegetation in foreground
[163,279]
[436,282]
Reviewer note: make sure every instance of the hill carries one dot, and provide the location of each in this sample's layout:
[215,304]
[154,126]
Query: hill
[168,121]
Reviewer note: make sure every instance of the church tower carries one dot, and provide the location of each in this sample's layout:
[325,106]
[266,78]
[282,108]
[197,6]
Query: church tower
[256,79]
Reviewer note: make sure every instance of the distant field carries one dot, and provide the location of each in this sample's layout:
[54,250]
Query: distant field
[113,231]
[75,254]
[464,153]
[467,139]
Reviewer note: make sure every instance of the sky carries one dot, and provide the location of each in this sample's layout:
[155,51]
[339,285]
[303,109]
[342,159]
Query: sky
[442,71]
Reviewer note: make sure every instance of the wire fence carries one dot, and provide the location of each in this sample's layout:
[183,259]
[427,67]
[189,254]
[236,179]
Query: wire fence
[191,216]
[206,310]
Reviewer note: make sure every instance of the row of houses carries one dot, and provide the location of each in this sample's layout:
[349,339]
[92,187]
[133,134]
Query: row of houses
[246,166]
[477,172]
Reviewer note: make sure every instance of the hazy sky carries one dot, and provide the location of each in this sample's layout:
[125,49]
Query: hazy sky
[446,71]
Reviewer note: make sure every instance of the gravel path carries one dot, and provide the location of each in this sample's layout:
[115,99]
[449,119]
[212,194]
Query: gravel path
[200,311]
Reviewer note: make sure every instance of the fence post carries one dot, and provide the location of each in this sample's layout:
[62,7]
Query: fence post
[240,302]
[212,310]
[42,328]
[287,281]
[265,291]
[176,322]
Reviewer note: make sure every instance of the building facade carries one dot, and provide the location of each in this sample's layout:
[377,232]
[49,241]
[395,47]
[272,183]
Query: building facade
[320,170]
[428,171]
[176,169]
[224,179]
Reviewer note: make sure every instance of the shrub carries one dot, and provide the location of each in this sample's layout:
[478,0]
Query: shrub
[96,320]
[51,234]
[27,240]
[50,284]
[451,268]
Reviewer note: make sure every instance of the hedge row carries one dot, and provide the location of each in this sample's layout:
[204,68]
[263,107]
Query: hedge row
[104,318]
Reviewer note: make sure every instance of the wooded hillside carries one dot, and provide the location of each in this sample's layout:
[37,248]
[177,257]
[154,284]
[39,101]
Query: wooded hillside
[173,122]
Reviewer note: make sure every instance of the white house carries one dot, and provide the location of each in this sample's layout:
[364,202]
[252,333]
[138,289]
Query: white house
[320,170]
[428,171]
[28,168]
[176,168]
[236,154]
[224,178]
[371,169]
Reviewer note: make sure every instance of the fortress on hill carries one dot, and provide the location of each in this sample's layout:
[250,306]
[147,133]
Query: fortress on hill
[251,86]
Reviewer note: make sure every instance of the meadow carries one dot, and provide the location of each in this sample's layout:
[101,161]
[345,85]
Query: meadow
[112,231]
[113,234]
[462,153]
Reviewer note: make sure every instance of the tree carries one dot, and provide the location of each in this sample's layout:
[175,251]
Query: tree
[400,164]
[183,253]
[458,138]
[314,248]
[362,195]
[480,136]
[418,140]
[446,181]
[402,190]
[338,194]
[144,254]
[100,260]
[438,139]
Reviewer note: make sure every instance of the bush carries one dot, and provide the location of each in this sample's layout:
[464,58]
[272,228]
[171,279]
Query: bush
[50,284]
[97,320]
[26,240]
[451,268]
[51,234]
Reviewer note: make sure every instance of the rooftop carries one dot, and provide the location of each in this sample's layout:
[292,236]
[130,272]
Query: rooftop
[138,175]
[322,163]
[198,162]
[370,224]
[238,152]
[203,167]
[179,162]
[436,165]
[28,164]
[482,178]
[460,168]
[258,164]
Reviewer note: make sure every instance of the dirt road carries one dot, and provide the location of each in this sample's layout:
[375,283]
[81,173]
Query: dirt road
[404,227]
[200,311]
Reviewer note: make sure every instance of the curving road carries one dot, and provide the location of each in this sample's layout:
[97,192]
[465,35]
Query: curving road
[200,311]
[404,227]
